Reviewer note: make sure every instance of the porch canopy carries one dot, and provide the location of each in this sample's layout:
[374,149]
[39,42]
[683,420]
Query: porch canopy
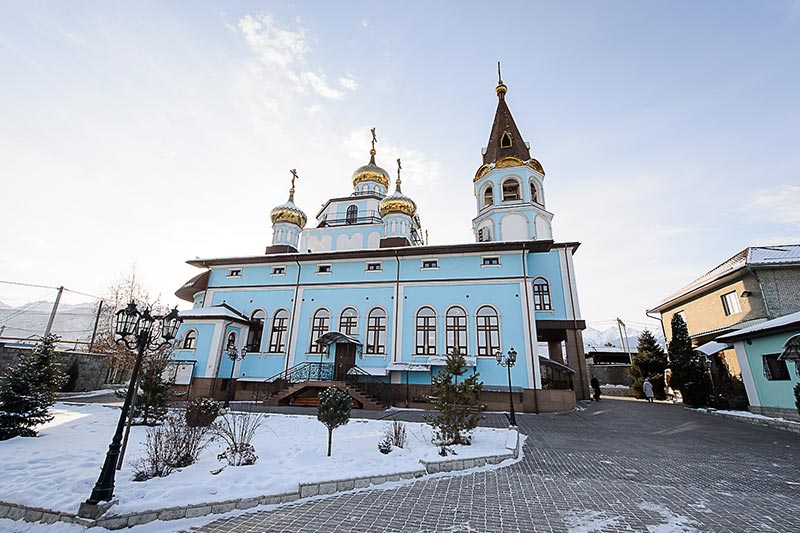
[712,347]
[334,337]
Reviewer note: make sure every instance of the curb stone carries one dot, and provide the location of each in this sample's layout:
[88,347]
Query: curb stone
[48,516]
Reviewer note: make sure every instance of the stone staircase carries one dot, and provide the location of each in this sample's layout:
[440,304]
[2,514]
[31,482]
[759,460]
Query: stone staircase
[305,393]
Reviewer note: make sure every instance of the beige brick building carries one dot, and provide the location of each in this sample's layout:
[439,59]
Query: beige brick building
[753,286]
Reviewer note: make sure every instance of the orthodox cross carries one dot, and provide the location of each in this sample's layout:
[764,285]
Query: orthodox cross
[294,176]
[499,77]
[399,166]
[374,138]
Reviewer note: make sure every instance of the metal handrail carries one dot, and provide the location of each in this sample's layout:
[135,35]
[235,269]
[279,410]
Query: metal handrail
[305,371]
[370,385]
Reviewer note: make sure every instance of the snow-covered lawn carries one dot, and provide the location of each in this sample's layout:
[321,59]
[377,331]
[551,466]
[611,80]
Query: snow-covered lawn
[58,469]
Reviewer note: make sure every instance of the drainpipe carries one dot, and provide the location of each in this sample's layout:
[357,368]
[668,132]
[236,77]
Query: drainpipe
[294,310]
[761,288]
[660,321]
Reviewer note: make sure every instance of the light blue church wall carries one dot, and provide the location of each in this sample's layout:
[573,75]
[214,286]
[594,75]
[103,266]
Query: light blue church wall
[225,361]
[771,393]
[205,334]
[548,266]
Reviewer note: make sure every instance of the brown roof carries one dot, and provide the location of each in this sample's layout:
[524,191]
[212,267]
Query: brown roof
[504,122]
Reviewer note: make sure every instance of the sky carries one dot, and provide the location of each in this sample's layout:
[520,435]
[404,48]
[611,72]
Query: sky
[137,135]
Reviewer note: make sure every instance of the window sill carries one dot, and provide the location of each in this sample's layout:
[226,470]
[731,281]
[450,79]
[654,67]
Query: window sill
[429,268]
[373,271]
[491,266]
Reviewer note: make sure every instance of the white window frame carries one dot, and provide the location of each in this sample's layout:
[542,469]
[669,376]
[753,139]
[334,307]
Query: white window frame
[235,272]
[274,271]
[434,267]
[379,269]
[730,300]
[484,264]
[320,268]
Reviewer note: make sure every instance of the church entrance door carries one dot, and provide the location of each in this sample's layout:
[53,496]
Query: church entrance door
[345,360]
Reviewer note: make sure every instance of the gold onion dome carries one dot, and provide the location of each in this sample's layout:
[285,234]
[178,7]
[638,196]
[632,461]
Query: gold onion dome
[397,202]
[288,212]
[371,172]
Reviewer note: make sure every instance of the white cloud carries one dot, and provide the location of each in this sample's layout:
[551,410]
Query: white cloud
[778,205]
[283,52]
[364,23]
[349,82]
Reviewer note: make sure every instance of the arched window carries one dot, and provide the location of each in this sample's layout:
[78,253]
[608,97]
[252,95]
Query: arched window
[348,322]
[352,214]
[510,190]
[456,330]
[277,337]
[541,295]
[231,340]
[376,331]
[488,327]
[319,327]
[505,140]
[534,194]
[256,331]
[426,331]
[190,340]
[488,196]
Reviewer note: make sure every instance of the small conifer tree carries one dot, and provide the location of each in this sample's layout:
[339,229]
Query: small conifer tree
[680,353]
[28,390]
[456,399]
[334,410]
[649,363]
[156,392]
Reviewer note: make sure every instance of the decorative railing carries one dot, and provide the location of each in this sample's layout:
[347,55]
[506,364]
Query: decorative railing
[370,385]
[362,217]
[306,371]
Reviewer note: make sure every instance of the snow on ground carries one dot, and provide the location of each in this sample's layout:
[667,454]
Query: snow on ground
[58,469]
[744,414]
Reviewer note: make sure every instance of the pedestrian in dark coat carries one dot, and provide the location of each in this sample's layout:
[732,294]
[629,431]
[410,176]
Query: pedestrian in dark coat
[596,388]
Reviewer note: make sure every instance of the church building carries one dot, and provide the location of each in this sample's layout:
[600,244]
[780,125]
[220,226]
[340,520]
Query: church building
[361,300]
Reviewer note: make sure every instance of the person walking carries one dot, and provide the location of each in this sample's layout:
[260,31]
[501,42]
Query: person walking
[647,388]
[596,388]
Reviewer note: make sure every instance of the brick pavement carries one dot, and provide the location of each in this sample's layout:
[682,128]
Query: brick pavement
[620,465]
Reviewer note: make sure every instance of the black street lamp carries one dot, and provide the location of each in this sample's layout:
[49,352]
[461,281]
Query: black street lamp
[508,361]
[234,355]
[135,329]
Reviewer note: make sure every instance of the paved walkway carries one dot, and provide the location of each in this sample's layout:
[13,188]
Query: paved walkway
[619,465]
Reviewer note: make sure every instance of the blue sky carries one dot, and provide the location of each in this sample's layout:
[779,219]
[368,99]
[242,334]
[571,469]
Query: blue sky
[668,131]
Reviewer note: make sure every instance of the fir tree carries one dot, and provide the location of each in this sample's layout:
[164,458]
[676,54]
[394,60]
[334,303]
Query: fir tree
[456,400]
[334,410]
[156,392]
[649,363]
[680,353]
[28,390]
[689,374]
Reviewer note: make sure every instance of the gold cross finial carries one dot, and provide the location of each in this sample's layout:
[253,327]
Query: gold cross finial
[294,177]
[499,77]
[399,166]
[374,140]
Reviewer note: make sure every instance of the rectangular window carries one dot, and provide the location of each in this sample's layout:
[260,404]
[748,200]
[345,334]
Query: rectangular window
[319,328]
[775,370]
[426,335]
[541,296]
[235,273]
[323,269]
[373,267]
[730,303]
[491,261]
[278,271]
[349,325]
[376,334]
[430,263]
[488,335]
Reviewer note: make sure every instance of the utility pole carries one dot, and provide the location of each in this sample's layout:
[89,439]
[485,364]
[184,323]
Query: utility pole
[53,312]
[624,339]
[96,321]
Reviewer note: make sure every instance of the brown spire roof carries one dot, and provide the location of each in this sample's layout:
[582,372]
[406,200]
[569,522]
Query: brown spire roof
[504,129]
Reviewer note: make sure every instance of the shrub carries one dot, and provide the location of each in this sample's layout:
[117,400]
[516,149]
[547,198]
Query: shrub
[797,397]
[237,430]
[202,412]
[695,394]
[385,445]
[334,410]
[396,433]
[173,445]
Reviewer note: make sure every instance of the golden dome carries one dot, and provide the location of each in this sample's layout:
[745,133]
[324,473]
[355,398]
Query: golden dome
[371,172]
[397,202]
[289,213]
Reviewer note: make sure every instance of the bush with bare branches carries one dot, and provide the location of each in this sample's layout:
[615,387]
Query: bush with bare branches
[237,430]
[173,445]
[396,433]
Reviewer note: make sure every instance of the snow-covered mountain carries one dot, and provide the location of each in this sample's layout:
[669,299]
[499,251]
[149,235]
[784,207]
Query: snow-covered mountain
[73,321]
[594,339]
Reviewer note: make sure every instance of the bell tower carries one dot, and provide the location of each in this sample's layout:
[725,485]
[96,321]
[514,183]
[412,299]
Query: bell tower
[509,186]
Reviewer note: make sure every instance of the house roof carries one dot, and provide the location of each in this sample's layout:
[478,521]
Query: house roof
[733,327]
[752,257]
[215,312]
[775,325]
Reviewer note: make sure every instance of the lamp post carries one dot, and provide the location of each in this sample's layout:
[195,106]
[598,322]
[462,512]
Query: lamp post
[135,329]
[508,361]
[234,355]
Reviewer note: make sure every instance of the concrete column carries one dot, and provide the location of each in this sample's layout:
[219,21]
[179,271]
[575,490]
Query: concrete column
[554,351]
[577,362]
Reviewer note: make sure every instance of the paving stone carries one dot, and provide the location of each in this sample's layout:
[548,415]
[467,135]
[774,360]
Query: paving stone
[629,465]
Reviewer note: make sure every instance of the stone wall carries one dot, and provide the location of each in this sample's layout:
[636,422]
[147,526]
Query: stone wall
[776,412]
[781,290]
[617,374]
[90,368]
